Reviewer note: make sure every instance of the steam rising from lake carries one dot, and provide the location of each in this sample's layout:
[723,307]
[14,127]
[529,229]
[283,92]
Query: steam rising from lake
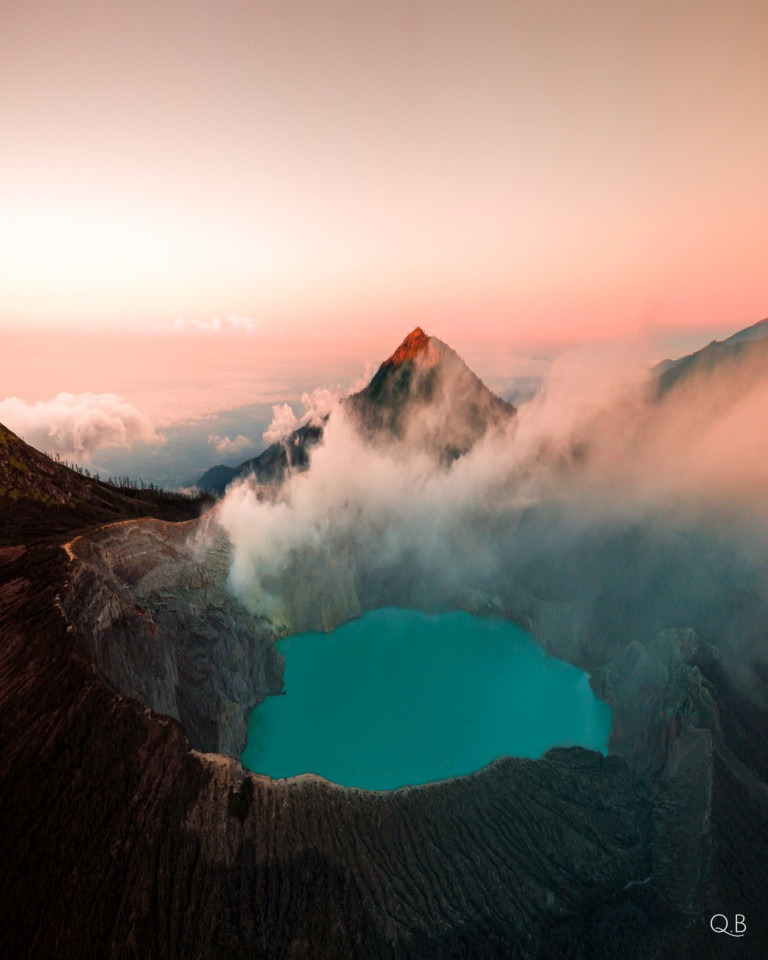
[546,499]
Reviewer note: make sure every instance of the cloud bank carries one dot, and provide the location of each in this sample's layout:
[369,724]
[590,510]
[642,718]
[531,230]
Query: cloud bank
[227,446]
[213,325]
[234,321]
[75,425]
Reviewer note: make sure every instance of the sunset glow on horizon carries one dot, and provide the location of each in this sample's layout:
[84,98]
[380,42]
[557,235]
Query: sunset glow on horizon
[537,172]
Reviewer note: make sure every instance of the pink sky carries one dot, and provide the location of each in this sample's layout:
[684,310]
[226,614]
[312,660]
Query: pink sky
[510,176]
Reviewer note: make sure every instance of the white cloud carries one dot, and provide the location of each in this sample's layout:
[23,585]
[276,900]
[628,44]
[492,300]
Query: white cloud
[212,326]
[226,445]
[317,405]
[284,422]
[77,424]
[239,322]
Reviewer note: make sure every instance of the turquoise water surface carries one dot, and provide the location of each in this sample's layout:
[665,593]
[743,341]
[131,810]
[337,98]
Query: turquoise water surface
[398,697]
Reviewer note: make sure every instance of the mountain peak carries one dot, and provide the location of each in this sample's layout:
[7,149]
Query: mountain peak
[424,389]
[416,342]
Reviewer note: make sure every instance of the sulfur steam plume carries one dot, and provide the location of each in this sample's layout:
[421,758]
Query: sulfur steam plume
[608,493]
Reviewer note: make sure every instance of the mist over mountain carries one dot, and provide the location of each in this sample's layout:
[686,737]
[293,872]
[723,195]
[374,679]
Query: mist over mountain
[415,483]
[422,376]
[425,396]
[747,344]
[624,525]
[271,466]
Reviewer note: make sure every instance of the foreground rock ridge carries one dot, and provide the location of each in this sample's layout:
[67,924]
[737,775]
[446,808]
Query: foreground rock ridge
[126,668]
[151,600]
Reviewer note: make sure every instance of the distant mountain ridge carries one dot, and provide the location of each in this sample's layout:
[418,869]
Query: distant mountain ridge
[758,331]
[423,376]
[271,465]
[751,342]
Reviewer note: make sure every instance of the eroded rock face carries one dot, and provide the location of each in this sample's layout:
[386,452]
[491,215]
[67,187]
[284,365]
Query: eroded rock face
[151,600]
[647,834]
[139,846]
[657,692]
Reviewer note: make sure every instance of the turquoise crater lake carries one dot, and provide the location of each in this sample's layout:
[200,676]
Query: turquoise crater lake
[398,697]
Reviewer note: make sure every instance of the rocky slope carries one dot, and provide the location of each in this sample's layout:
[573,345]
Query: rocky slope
[150,599]
[140,846]
[271,466]
[426,396]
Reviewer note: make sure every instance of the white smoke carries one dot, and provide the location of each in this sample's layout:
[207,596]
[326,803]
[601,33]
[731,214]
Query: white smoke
[595,446]
[77,424]
[284,422]
[317,405]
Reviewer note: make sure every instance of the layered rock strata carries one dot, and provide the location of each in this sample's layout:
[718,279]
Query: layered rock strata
[121,840]
[150,599]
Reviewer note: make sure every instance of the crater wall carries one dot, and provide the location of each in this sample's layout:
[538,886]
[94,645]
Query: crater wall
[150,599]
